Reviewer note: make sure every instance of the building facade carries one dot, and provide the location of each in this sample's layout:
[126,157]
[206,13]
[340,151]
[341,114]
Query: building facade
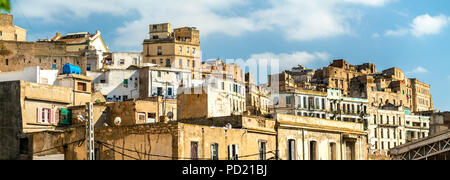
[309,138]
[26,108]
[417,127]
[178,49]
[9,31]
[117,85]
[386,130]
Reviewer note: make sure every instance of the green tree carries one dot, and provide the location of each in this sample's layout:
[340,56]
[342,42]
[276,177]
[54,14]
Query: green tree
[5,5]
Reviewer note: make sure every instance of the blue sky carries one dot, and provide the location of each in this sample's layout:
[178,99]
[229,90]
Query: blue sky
[410,34]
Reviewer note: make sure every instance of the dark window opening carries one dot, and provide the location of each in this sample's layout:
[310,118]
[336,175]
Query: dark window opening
[313,150]
[24,146]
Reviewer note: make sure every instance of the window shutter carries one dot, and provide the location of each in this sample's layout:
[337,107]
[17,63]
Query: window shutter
[39,115]
[52,116]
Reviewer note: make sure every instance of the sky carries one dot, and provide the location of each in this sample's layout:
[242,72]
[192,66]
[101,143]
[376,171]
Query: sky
[409,34]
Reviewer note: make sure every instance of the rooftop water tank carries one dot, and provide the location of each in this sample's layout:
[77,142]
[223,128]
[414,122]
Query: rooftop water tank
[71,69]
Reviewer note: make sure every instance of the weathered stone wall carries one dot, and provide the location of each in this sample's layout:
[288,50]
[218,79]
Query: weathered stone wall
[10,120]
[16,56]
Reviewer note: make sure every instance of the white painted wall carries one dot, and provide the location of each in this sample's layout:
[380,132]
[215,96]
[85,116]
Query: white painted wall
[31,74]
[114,87]
[129,58]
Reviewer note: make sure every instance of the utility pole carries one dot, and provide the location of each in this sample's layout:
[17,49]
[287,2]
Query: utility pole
[90,143]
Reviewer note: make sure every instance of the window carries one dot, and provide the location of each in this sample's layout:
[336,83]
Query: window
[313,150]
[159,50]
[262,150]
[291,149]
[151,117]
[141,118]
[168,63]
[1,35]
[223,86]
[159,91]
[187,50]
[122,61]
[170,91]
[153,61]
[193,50]
[6,62]
[193,63]
[194,150]
[215,151]
[24,146]
[233,152]
[45,115]
[332,154]
[125,98]
[88,67]
[53,66]
[288,100]
[180,49]
[135,61]
[180,63]
[81,86]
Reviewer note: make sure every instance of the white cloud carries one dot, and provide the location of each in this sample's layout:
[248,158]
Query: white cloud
[422,25]
[419,70]
[299,20]
[427,25]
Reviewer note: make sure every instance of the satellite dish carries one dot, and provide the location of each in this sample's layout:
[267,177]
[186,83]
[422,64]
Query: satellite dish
[170,115]
[117,121]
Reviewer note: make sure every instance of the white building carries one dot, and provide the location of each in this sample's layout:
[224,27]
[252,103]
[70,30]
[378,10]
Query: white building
[417,127]
[160,81]
[116,85]
[301,103]
[122,60]
[31,74]
[346,108]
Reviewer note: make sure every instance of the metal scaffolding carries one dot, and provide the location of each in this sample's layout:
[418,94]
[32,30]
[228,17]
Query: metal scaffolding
[433,148]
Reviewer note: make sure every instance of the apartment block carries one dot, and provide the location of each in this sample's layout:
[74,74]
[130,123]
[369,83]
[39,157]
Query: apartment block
[179,48]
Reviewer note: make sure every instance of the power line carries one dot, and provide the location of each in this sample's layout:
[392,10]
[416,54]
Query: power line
[169,157]
[56,147]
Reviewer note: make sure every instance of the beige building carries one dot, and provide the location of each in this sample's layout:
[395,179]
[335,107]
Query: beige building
[216,98]
[226,138]
[340,73]
[81,86]
[257,98]
[27,108]
[145,111]
[422,100]
[386,129]
[439,122]
[179,48]
[16,56]
[308,138]
[9,31]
